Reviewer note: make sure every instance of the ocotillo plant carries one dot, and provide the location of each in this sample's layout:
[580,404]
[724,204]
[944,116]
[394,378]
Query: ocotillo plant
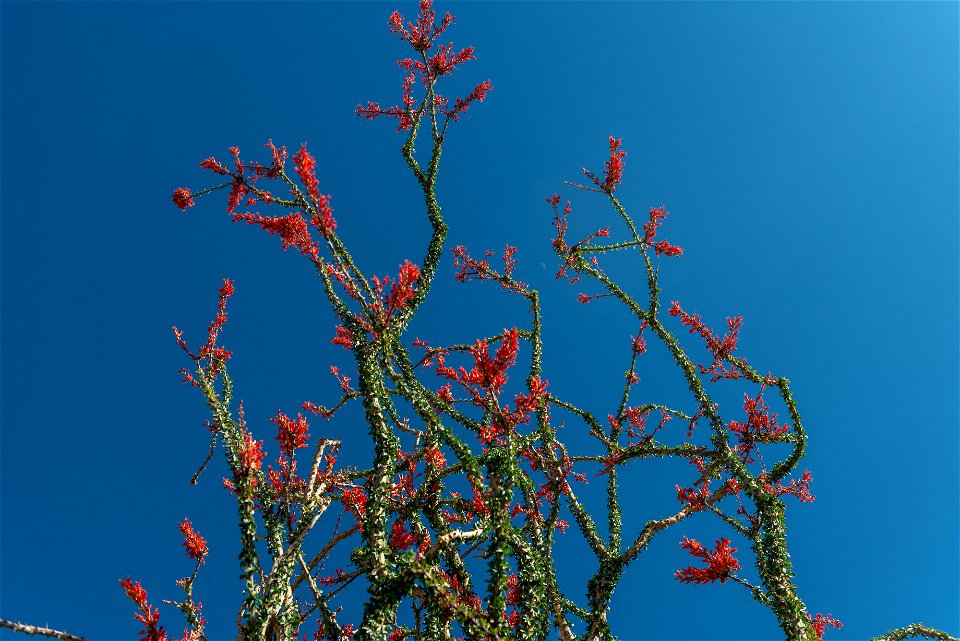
[436,563]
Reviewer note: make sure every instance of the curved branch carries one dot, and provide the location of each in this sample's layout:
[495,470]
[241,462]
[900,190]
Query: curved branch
[43,632]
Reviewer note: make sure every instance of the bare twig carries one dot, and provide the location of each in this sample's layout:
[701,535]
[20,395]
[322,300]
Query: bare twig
[43,632]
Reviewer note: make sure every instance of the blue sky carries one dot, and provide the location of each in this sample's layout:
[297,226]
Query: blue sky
[807,152]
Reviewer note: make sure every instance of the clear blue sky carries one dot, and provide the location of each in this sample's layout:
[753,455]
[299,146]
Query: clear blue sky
[807,152]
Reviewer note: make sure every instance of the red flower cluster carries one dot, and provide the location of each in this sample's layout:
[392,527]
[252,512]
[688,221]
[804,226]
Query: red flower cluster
[344,337]
[469,268]
[183,198]
[342,380]
[613,169]
[355,500]
[441,63]
[721,348]
[251,454]
[398,635]
[478,94]
[213,331]
[400,538]
[306,167]
[761,426]
[820,623]
[720,562]
[696,499]
[569,253]
[148,615]
[798,488]
[489,374]
[195,544]
[422,36]
[435,457]
[292,434]
[292,229]
[639,345]
[650,231]
[401,291]
[217,355]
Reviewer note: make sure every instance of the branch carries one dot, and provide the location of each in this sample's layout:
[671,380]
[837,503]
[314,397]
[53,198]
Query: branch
[914,630]
[43,632]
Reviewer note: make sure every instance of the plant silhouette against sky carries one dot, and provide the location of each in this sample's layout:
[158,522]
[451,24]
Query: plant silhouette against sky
[453,524]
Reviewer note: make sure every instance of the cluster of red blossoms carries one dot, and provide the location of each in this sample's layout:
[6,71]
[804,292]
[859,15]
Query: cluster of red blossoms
[488,374]
[761,427]
[650,230]
[720,348]
[385,304]
[149,616]
[195,544]
[183,198]
[293,228]
[470,268]
[215,355]
[613,169]
[720,562]
[421,35]
[292,434]
[401,291]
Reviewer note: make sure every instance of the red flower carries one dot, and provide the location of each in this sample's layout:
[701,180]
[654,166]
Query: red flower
[355,500]
[650,230]
[720,562]
[422,34]
[761,427]
[194,543]
[135,592]
[613,169]
[663,247]
[292,229]
[445,394]
[697,499]
[217,355]
[478,94]
[530,402]
[487,373]
[237,191]
[306,167]
[182,198]
[479,501]
[215,166]
[400,538]
[291,434]
[251,454]
[344,337]
[148,615]
[445,60]
[820,623]
[402,290]
[435,457]
[799,489]
[721,348]
[639,345]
